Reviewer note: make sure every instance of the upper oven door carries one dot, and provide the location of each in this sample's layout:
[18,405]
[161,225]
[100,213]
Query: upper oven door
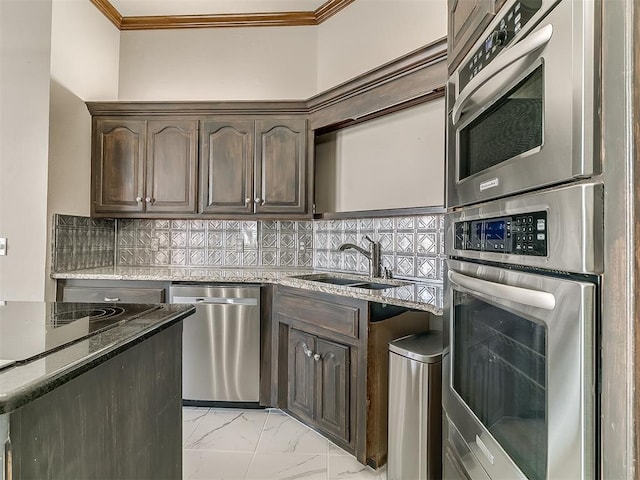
[526,119]
[520,375]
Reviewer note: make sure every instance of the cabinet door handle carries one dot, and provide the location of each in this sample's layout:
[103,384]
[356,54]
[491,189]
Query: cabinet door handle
[150,200]
[247,200]
[257,200]
[111,299]
[317,357]
[138,199]
[306,350]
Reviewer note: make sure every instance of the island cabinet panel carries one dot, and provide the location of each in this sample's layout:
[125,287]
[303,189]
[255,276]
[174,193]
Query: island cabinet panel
[144,166]
[281,166]
[118,165]
[115,421]
[172,166]
[226,166]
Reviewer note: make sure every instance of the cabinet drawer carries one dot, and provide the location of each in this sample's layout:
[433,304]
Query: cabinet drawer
[342,319]
[112,295]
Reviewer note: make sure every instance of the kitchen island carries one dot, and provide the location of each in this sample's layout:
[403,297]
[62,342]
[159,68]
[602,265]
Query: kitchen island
[91,390]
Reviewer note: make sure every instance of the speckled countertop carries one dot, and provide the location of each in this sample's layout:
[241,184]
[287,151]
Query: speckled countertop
[416,295]
[22,383]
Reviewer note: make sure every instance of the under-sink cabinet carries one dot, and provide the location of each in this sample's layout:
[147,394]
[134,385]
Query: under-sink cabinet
[330,365]
[319,379]
[144,166]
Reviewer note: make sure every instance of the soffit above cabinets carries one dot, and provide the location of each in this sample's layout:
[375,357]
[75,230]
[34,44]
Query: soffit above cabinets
[171,14]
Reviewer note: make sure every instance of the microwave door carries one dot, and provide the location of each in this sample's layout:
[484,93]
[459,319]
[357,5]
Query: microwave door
[528,45]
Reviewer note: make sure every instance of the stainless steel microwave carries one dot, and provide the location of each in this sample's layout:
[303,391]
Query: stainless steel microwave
[522,105]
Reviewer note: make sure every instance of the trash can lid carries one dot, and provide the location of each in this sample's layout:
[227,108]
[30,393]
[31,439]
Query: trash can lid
[423,347]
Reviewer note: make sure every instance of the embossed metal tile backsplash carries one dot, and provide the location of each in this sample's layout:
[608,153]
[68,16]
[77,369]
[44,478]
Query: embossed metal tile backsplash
[82,242]
[215,243]
[411,247]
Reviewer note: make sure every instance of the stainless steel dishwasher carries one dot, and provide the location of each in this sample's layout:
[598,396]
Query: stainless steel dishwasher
[220,343]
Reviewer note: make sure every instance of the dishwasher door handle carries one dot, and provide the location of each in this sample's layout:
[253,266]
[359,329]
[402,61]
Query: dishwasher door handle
[215,300]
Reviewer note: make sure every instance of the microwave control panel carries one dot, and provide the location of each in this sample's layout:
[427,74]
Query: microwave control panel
[497,40]
[524,234]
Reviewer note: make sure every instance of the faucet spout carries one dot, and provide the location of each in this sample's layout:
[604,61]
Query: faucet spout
[373,255]
[347,246]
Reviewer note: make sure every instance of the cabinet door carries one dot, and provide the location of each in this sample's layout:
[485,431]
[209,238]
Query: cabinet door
[226,167]
[466,20]
[172,162]
[301,390]
[332,410]
[281,166]
[118,165]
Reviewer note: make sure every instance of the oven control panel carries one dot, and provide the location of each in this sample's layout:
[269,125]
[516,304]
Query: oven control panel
[497,40]
[524,234]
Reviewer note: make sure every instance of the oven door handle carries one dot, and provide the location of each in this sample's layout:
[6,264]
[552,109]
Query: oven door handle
[522,296]
[530,44]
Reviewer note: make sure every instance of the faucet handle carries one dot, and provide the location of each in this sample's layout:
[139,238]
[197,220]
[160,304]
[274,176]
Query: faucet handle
[367,237]
[386,272]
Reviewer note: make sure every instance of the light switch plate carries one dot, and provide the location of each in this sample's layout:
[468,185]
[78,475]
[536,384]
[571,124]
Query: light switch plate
[3,246]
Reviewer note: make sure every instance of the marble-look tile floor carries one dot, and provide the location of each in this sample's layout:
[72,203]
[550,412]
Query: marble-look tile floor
[266,444]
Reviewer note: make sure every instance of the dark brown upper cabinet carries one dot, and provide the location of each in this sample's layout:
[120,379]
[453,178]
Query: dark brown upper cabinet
[144,166]
[467,18]
[226,166]
[253,166]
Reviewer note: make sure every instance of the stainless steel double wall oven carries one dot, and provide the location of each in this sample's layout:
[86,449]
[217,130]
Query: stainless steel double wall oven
[524,236]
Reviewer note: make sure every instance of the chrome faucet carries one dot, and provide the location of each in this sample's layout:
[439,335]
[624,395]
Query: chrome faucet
[373,255]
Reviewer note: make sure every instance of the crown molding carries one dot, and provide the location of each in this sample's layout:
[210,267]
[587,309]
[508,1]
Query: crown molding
[272,19]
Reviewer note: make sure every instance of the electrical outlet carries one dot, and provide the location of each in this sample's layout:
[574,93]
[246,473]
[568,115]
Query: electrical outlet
[155,244]
[240,245]
[3,246]
[301,245]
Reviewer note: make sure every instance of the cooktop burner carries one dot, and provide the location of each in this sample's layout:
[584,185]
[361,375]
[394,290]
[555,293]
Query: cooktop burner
[32,330]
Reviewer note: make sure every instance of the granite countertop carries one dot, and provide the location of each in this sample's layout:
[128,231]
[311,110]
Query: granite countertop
[404,293]
[22,383]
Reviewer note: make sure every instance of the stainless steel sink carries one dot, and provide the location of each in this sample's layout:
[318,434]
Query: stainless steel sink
[350,282]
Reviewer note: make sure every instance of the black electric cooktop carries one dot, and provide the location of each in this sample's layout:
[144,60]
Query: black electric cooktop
[32,330]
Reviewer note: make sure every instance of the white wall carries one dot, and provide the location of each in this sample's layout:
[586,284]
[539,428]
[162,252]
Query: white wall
[218,64]
[369,33]
[395,161]
[85,49]
[25,41]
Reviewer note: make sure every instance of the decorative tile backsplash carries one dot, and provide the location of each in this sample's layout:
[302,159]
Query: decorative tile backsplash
[82,242]
[411,246]
[215,243]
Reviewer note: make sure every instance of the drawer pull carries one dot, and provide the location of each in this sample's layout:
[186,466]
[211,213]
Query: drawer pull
[317,357]
[111,299]
[306,350]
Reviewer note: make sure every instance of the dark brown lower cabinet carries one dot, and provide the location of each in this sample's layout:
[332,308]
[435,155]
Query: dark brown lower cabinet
[319,377]
[329,366]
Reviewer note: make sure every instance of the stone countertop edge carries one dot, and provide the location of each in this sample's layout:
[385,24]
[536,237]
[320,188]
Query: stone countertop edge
[393,296]
[18,386]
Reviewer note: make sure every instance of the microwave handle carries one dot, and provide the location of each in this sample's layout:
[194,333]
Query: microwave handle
[523,296]
[531,43]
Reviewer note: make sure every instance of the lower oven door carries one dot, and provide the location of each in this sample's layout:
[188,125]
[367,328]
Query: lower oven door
[520,377]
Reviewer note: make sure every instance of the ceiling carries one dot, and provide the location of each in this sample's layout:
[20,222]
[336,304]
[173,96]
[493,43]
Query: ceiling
[164,14]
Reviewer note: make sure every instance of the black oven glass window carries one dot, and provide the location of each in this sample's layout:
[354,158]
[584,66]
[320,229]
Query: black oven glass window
[499,370]
[510,127]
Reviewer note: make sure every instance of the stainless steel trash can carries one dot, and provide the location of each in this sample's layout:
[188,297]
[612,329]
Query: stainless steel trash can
[415,407]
